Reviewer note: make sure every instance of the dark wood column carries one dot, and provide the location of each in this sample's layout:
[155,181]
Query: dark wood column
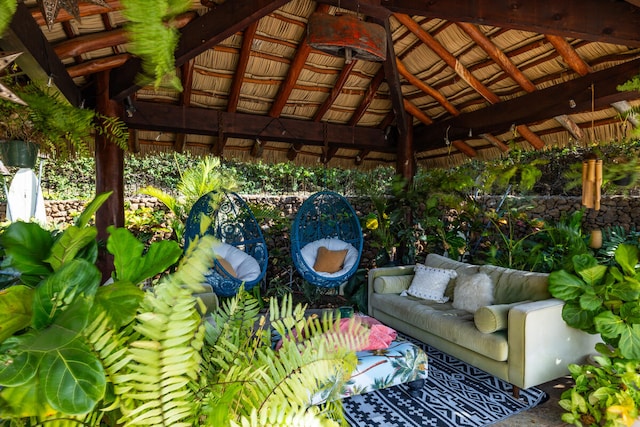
[109,177]
[406,161]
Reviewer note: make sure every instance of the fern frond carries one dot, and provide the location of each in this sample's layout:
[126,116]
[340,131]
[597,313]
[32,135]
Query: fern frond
[7,9]
[157,387]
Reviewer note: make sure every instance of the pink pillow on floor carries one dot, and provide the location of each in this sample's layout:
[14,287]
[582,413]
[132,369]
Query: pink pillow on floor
[380,336]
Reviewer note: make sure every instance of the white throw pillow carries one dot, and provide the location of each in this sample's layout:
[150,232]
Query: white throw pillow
[472,292]
[245,266]
[430,283]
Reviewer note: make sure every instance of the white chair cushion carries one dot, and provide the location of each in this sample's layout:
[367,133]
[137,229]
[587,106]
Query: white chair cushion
[245,266]
[310,251]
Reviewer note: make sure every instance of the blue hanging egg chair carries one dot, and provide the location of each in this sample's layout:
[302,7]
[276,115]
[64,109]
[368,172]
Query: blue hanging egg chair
[241,254]
[326,221]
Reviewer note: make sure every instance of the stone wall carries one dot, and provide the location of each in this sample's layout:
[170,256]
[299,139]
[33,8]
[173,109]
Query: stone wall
[617,210]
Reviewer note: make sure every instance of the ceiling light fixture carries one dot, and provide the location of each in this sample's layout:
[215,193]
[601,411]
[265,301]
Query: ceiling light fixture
[346,35]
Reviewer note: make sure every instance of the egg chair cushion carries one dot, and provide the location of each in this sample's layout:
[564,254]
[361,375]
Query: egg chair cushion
[310,252]
[245,266]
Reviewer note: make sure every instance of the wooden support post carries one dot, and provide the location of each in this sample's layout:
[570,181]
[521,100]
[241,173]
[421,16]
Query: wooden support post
[109,177]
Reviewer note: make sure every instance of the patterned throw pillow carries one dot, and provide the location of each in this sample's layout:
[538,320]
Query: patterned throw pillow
[430,283]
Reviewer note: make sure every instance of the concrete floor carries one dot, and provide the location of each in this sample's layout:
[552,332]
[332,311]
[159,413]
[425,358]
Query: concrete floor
[546,414]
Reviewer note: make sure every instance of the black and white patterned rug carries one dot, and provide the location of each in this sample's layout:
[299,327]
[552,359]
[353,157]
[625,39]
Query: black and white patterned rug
[455,395]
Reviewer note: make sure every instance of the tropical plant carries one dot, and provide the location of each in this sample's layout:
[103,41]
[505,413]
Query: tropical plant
[154,38]
[77,353]
[7,9]
[603,299]
[206,176]
[59,128]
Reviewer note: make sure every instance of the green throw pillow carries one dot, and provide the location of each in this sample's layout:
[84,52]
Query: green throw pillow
[493,318]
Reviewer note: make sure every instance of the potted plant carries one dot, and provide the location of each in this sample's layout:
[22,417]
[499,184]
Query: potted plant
[603,299]
[132,352]
[50,125]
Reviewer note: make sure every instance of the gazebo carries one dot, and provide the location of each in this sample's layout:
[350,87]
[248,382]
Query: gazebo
[345,83]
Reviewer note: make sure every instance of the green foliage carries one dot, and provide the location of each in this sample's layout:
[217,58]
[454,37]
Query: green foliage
[7,9]
[606,394]
[154,38]
[74,352]
[603,299]
[206,176]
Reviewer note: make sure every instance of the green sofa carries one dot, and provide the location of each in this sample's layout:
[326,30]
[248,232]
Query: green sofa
[521,338]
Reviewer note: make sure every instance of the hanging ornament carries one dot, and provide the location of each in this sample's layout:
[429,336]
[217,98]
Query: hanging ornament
[7,58]
[50,8]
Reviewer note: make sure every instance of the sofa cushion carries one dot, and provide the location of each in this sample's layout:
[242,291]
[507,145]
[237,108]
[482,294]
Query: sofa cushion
[439,261]
[492,318]
[444,321]
[392,284]
[430,283]
[516,285]
[473,291]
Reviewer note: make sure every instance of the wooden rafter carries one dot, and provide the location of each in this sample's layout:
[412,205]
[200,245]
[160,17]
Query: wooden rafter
[87,68]
[38,59]
[531,137]
[570,126]
[335,91]
[569,54]
[535,106]
[497,55]
[376,81]
[594,20]
[495,141]
[465,148]
[426,88]
[86,9]
[447,57]
[241,67]
[417,112]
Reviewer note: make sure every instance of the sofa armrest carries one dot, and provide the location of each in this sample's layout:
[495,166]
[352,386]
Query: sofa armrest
[542,345]
[385,271]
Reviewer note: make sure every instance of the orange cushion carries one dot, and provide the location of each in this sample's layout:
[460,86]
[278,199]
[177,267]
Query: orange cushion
[227,266]
[328,261]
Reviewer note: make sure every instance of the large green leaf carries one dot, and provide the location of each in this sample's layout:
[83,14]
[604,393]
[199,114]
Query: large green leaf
[26,246]
[25,400]
[72,241]
[627,257]
[72,378]
[627,290]
[76,277]
[565,286]
[120,300]
[629,343]
[609,325]
[590,301]
[130,263]
[91,209]
[15,310]
[577,317]
[16,365]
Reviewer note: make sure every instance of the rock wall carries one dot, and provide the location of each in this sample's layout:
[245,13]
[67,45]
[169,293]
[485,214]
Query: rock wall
[616,210]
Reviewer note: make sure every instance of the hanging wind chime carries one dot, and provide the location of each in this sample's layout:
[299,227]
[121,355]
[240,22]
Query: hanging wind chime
[591,183]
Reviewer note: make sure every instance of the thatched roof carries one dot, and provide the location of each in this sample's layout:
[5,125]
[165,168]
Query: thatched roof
[461,79]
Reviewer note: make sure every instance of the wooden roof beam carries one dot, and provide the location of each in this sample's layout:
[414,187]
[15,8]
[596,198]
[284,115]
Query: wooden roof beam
[416,112]
[497,55]
[96,65]
[464,148]
[426,88]
[569,54]
[531,137]
[38,59]
[243,60]
[335,91]
[447,57]
[540,105]
[495,141]
[570,126]
[204,121]
[368,97]
[199,35]
[297,64]
[593,20]
[86,9]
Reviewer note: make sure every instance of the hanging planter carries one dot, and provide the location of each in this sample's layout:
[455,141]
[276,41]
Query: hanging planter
[18,153]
